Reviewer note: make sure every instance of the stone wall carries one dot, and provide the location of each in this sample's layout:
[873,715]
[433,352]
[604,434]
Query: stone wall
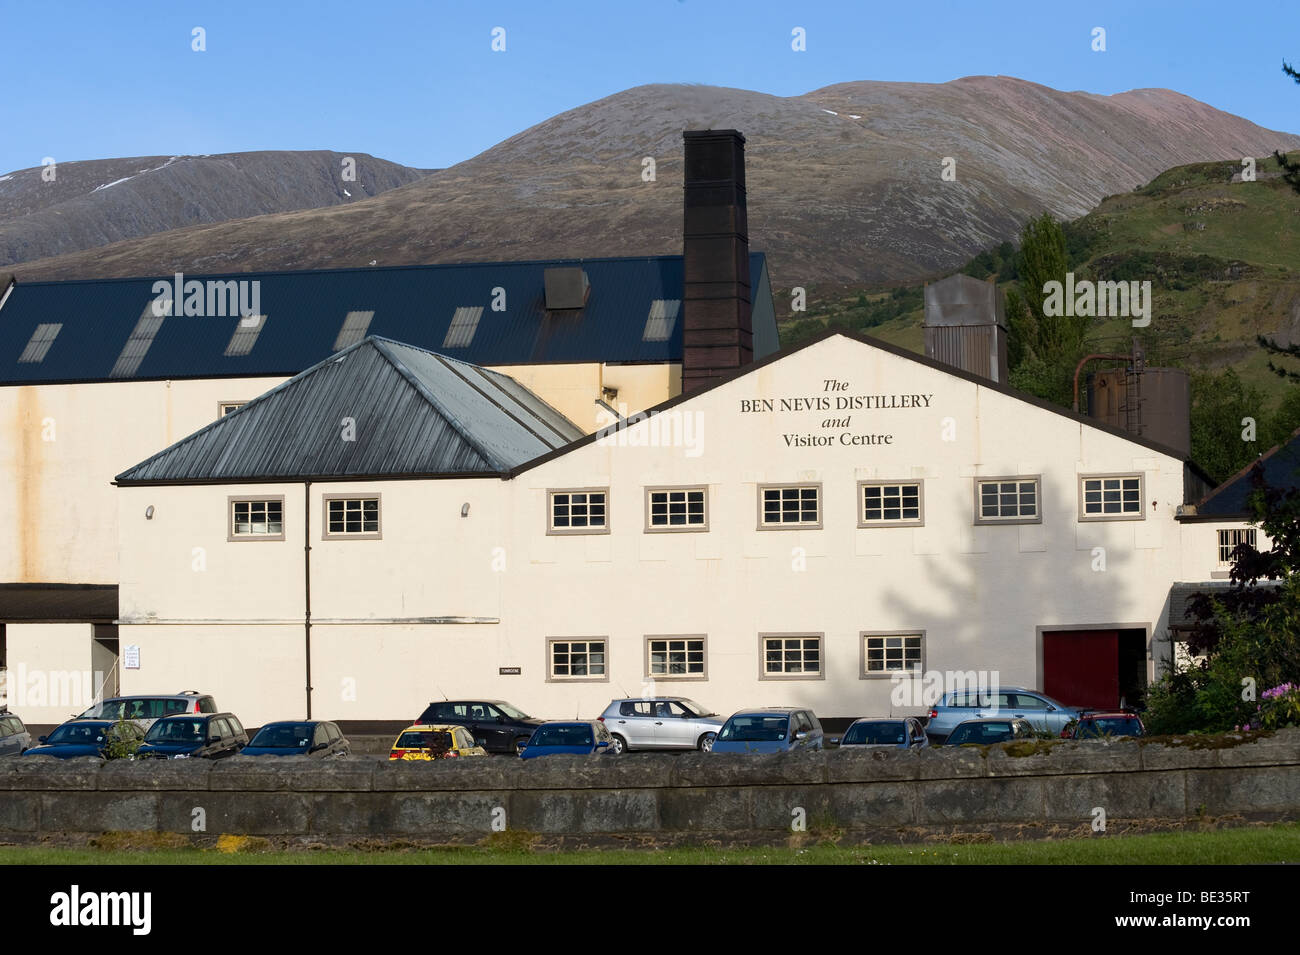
[662,798]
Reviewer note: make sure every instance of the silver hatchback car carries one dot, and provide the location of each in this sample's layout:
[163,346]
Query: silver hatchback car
[660,722]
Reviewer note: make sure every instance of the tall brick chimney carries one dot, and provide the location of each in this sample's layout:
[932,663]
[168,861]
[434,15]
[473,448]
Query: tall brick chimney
[717,335]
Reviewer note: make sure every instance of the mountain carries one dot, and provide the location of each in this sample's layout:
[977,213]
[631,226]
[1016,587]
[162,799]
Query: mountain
[844,183]
[1222,256]
[90,204]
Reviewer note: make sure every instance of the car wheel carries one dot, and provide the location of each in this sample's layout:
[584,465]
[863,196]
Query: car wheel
[618,745]
[520,743]
[706,742]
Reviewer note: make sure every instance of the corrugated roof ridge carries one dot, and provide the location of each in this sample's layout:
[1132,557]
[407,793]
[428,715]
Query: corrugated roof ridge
[414,381]
[356,269]
[293,382]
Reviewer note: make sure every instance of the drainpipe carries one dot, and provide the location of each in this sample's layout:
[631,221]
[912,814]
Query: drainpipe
[306,567]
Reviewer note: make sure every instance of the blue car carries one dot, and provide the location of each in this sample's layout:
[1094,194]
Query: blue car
[86,738]
[773,730]
[315,738]
[580,738]
[893,731]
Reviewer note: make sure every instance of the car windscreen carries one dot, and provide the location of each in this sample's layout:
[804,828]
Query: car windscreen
[562,736]
[511,712]
[137,708]
[755,728]
[696,709]
[84,734]
[438,740]
[177,731]
[284,736]
[980,733]
[879,733]
[1117,726]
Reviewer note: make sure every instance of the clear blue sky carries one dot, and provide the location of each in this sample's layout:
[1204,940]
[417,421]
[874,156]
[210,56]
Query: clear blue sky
[418,83]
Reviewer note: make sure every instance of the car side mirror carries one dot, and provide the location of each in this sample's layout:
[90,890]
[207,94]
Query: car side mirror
[214,739]
[318,747]
[1051,709]
[835,741]
[40,739]
[501,719]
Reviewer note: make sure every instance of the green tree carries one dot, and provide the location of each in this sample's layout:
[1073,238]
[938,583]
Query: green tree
[1042,349]
[1219,404]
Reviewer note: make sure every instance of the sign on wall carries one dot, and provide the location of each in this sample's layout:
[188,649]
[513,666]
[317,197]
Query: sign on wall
[131,656]
[837,406]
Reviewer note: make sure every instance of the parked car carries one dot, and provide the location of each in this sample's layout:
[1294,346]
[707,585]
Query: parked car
[982,732]
[315,738]
[895,732]
[1097,724]
[145,709]
[87,738]
[14,738]
[1045,714]
[772,730]
[197,736]
[497,726]
[661,722]
[578,737]
[434,741]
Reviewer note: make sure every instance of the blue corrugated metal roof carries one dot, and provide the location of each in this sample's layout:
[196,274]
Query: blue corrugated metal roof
[305,313]
[377,408]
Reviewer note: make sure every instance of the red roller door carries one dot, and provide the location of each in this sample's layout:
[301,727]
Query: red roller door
[1081,667]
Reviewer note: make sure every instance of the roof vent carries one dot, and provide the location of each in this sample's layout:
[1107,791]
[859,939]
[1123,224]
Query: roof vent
[566,288]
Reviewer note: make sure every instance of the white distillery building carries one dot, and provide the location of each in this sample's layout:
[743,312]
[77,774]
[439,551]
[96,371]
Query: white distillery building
[97,375]
[793,533]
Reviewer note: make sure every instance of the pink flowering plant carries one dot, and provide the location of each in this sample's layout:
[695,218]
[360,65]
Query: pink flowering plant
[1279,706]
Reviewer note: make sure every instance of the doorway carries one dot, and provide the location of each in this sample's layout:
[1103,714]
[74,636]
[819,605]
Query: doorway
[1095,669]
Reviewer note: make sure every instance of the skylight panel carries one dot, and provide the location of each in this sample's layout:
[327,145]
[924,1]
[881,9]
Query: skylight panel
[142,336]
[40,342]
[354,329]
[663,316]
[463,326]
[245,336]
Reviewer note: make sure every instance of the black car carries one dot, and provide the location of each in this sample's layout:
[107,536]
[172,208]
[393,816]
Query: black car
[315,738]
[14,738]
[498,727]
[197,735]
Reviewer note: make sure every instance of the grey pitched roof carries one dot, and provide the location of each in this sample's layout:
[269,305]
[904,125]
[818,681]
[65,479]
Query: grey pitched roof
[102,330]
[377,408]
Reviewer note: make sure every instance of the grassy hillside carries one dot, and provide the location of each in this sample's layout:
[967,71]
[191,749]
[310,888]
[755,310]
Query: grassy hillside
[1223,257]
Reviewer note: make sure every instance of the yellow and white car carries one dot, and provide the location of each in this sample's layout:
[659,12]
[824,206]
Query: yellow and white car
[435,741]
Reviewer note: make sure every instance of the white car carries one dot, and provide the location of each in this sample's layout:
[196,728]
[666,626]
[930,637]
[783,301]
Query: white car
[660,722]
